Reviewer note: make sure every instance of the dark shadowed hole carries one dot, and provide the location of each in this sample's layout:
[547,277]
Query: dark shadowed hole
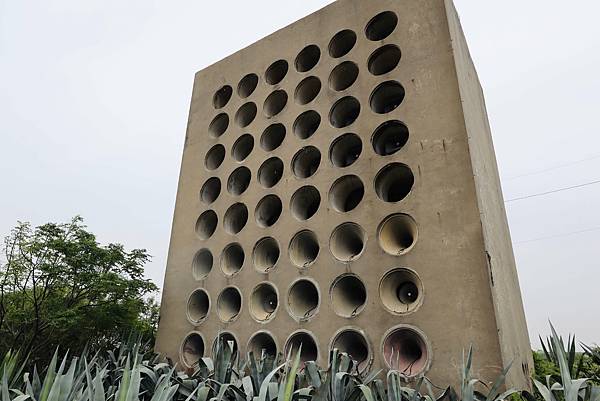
[263,302]
[303,299]
[346,193]
[405,350]
[305,342]
[262,344]
[218,125]
[268,210]
[210,191]
[206,224]
[308,58]
[246,114]
[307,90]
[344,112]
[389,138]
[247,85]
[270,172]
[397,234]
[229,304]
[235,218]
[348,296]
[238,181]
[272,137]
[387,97]
[304,249]
[266,254]
[232,259]
[306,161]
[192,349]
[275,103]
[202,264]
[276,72]
[353,343]
[341,43]
[400,291]
[384,59]
[215,157]
[305,202]
[394,182]
[345,150]
[381,26]
[307,124]
[242,147]
[347,242]
[343,76]
[222,96]
[225,339]
[198,306]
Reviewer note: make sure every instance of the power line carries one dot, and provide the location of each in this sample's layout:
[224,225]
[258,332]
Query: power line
[593,157]
[553,191]
[558,235]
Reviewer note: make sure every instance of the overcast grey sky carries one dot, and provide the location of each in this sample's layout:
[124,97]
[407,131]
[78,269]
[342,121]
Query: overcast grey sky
[94,98]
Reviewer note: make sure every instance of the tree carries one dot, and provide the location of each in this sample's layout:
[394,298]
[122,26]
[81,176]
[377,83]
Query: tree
[60,288]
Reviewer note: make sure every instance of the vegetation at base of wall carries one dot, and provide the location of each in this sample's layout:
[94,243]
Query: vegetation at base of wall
[60,288]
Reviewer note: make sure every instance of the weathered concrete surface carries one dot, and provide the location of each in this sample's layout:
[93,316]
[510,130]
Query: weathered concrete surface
[462,257]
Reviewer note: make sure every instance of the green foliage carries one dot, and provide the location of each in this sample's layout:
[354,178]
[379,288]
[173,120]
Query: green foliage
[59,287]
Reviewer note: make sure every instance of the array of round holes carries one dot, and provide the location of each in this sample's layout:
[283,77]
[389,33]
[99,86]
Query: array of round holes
[396,234]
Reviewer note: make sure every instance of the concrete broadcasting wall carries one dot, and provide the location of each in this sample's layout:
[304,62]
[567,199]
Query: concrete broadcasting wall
[339,188]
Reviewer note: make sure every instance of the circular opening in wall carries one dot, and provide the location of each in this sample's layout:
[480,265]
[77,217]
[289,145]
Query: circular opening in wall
[262,344]
[341,43]
[307,124]
[268,210]
[242,147]
[238,181]
[381,26]
[263,302]
[401,291]
[210,190]
[304,249]
[198,306]
[343,76]
[275,103]
[236,218]
[397,234]
[272,137]
[270,172]
[308,58]
[192,349]
[218,125]
[266,254]
[347,242]
[405,349]
[202,264]
[245,114]
[304,341]
[229,304]
[346,193]
[394,182]
[305,202]
[344,112]
[306,161]
[303,299]
[386,97]
[247,85]
[307,90]
[206,224]
[222,96]
[348,296]
[345,150]
[225,339]
[276,72]
[389,138]
[215,157]
[353,343]
[384,59]
[232,259]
